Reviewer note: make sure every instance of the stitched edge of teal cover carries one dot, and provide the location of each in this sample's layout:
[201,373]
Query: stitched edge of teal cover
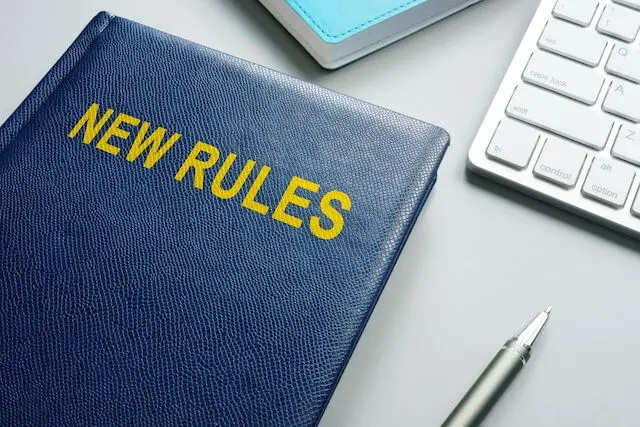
[336,20]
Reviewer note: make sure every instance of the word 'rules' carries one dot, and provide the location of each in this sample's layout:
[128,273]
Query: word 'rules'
[205,167]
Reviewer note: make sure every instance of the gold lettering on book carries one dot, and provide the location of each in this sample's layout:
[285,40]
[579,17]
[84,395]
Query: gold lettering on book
[249,201]
[226,181]
[153,143]
[291,198]
[198,165]
[216,185]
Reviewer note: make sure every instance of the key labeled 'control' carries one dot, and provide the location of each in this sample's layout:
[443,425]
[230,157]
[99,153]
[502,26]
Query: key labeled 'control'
[609,181]
[560,162]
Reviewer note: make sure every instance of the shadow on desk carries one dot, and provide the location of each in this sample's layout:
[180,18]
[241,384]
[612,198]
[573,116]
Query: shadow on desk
[548,209]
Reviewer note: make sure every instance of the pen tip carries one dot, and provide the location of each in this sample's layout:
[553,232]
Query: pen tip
[530,332]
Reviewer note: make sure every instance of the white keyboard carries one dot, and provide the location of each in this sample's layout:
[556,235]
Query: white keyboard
[563,126]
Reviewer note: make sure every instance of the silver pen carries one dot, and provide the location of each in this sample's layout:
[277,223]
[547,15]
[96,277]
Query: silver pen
[497,376]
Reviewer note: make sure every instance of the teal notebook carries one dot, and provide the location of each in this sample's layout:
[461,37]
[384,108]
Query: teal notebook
[337,20]
[336,32]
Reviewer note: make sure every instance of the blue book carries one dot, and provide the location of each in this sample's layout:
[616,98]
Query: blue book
[189,238]
[337,32]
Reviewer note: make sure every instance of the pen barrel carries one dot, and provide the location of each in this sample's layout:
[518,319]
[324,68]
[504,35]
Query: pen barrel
[489,386]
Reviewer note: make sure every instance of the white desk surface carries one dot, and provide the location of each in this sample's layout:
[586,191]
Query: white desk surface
[481,260]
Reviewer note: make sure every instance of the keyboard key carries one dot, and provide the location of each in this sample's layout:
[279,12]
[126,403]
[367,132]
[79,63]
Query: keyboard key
[609,181]
[619,22]
[579,12]
[631,3]
[560,115]
[635,208]
[624,62]
[573,42]
[623,99]
[627,144]
[563,76]
[560,162]
[513,144]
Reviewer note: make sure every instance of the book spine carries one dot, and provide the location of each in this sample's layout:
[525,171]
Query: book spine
[48,84]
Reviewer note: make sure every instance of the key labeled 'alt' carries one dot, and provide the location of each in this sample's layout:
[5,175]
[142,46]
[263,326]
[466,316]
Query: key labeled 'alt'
[609,181]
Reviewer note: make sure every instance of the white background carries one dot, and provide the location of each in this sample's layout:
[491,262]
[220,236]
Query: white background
[482,259]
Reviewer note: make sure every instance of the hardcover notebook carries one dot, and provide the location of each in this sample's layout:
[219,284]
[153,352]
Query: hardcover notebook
[337,32]
[189,238]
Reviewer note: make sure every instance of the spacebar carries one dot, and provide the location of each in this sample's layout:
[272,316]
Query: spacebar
[560,115]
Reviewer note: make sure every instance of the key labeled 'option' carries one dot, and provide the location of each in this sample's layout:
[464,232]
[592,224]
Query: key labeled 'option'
[609,181]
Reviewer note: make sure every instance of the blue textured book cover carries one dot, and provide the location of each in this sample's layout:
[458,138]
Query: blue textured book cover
[192,239]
